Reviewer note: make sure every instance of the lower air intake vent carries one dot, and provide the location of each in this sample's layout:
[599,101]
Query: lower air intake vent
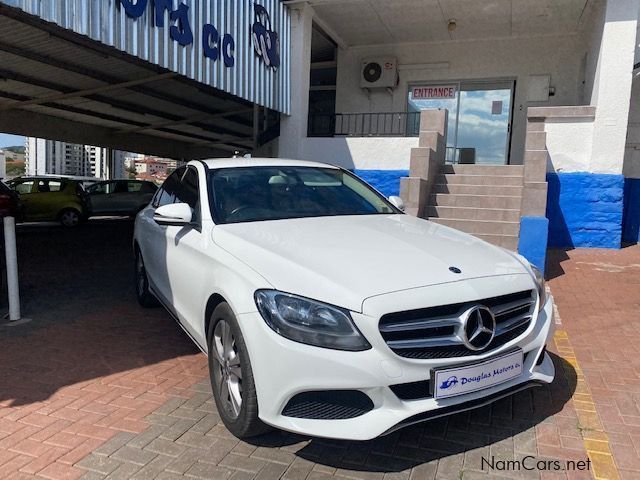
[328,405]
[412,391]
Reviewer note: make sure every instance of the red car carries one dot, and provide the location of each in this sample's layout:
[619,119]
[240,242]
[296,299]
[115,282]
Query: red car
[9,202]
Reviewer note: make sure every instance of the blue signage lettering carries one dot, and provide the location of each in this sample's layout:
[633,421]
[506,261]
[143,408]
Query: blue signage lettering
[181,32]
[228,50]
[159,7]
[210,39]
[133,10]
[266,42]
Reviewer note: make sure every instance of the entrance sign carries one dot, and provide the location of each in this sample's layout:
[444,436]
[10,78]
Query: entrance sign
[240,47]
[434,92]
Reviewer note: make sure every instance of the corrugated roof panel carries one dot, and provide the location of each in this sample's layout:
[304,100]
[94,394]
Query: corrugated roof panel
[249,78]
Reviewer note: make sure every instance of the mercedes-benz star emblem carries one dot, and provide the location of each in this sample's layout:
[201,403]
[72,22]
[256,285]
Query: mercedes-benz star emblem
[479,328]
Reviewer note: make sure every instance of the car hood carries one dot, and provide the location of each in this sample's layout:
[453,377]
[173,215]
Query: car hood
[346,259]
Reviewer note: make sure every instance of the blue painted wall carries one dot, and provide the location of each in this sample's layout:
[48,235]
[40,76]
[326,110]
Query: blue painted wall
[585,210]
[533,240]
[386,182]
[631,221]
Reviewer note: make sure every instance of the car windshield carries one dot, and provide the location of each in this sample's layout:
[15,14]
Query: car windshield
[250,194]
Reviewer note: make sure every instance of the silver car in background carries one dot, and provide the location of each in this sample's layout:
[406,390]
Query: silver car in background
[120,197]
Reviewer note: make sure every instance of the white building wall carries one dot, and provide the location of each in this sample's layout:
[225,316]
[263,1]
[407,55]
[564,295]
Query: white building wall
[612,90]
[569,143]
[367,153]
[558,56]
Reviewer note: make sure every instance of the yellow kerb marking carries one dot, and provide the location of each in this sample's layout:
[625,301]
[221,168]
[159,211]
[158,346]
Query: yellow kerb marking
[596,440]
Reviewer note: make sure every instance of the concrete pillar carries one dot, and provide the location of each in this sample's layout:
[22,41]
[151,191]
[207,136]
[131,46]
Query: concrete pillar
[426,161]
[612,85]
[293,128]
[534,197]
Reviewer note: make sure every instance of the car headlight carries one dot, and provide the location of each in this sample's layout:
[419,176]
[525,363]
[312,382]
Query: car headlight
[307,321]
[540,283]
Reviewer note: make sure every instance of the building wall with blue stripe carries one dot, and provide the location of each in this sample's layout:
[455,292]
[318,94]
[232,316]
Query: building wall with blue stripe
[586,210]
[386,182]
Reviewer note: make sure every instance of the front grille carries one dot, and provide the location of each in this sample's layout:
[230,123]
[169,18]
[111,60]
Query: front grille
[328,405]
[436,332]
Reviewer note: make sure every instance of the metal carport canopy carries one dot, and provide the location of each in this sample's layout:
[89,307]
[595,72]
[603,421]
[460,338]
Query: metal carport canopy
[63,84]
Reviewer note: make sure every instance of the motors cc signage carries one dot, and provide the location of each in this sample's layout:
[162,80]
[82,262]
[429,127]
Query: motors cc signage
[215,45]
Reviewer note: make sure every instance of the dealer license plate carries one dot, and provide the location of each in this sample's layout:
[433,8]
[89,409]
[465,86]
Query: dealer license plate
[450,382]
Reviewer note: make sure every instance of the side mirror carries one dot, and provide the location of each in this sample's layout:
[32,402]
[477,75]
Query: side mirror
[397,202]
[176,214]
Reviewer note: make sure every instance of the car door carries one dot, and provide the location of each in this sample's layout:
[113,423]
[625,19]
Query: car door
[134,198]
[153,239]
[186,259]
[100,197]
[25,189]
[47,199]
[118,198]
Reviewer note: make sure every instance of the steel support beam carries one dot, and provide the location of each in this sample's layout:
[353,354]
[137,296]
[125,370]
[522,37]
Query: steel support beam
[103,77]
[35,124]
[89,91]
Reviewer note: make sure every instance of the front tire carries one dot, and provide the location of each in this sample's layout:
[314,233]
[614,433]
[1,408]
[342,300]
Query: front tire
[70,218]
[232,376]
[145,298]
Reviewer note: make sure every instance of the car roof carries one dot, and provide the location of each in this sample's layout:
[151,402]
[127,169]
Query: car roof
[45,177]
[217,163]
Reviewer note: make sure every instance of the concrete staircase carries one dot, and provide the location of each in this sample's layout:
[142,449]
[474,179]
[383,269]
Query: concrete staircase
[483,200]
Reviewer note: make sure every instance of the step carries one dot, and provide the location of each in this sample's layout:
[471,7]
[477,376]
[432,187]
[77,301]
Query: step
[480,227]
[470,213]
[457,179]
[476,201]
[514,170]
[462,189]
[510,242]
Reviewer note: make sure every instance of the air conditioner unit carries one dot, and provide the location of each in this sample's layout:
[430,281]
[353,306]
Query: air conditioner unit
[379,73]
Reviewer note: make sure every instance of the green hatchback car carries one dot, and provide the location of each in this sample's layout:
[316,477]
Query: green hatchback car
[52,199]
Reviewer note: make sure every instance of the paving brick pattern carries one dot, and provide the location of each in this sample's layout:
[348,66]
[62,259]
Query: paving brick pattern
[96,388]
[598,295]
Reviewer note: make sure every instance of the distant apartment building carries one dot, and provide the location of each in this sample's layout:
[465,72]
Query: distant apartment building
[153,168]
[61,158]
[3,164]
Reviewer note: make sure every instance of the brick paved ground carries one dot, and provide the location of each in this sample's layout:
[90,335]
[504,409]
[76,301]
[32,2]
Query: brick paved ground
[598,294]
[95,387]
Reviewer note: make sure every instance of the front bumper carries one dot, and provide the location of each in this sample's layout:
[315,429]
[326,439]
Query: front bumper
[282,369]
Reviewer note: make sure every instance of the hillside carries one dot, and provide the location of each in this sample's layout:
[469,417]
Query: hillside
[15,149]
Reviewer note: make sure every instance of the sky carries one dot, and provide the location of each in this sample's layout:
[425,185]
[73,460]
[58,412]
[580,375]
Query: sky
[7,140]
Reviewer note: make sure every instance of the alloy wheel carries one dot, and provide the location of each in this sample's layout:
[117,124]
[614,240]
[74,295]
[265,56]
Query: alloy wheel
[70,218]
[227,372]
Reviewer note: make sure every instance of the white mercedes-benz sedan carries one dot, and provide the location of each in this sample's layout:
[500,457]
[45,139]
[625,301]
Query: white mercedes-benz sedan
[327,311]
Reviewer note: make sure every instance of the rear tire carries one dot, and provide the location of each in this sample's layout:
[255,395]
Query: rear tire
[145,298]
[232,376]
[70,218]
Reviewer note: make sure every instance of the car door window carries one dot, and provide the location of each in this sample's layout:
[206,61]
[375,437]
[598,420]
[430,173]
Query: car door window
[24,188]
[134,187]
[147,187]
[42,186]
[167,194]
[119,187]
[54,185]
[189,193]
